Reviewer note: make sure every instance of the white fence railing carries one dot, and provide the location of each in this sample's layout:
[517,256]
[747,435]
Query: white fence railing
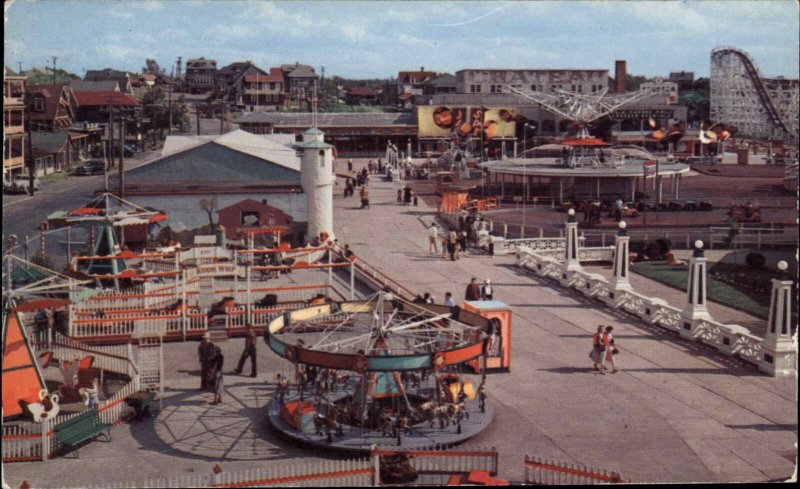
[24,441]
[540,471]
[731,339]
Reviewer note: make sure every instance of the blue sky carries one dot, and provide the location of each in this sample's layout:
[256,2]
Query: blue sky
[366,39]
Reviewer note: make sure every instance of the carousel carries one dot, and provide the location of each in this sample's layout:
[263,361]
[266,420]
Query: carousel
[382,372]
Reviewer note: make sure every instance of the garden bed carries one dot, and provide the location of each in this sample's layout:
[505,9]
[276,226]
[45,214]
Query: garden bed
[737,286]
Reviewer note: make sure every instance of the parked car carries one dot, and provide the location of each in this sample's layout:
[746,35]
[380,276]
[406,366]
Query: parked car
[20,184]
[92,167]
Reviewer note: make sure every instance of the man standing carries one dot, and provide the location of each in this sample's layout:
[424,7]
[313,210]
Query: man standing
[205,353]
[487,292]
[473,292]
[249,351]
[433,237]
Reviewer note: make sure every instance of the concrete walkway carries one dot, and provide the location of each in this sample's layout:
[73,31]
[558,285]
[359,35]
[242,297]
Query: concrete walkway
[677,411]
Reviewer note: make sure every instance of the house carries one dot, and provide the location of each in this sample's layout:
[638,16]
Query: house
[95,107]
[50,107]
[13,123]
[257,90]
[413,81]
[250,213]
[444,83]
[94,86]
[53,151]
[363,96]
[300,81]
[226,78]
[200,75]
[230,168]
[123,78]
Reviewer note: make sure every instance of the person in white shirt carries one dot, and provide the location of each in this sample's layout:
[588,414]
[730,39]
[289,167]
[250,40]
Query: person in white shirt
[433,237]
[487,293]
[448,299]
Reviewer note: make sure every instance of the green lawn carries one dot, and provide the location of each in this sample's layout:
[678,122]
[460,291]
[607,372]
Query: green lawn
[751,299]
[54,177]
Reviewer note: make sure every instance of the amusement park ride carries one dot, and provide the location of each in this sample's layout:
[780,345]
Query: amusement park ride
[380,368]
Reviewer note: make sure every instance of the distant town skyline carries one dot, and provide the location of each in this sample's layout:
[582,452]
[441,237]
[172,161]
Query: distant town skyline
[377,39]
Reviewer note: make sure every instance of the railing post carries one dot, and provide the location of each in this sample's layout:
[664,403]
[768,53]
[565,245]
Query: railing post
[505,231]
[249,296]
[352,281]
[778,355]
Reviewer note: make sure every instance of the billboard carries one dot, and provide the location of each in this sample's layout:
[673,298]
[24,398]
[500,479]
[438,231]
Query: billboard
[444,122]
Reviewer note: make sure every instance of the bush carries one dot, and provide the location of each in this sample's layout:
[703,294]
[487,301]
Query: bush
[664,245]
[653,251]
[638,247]
[755,260]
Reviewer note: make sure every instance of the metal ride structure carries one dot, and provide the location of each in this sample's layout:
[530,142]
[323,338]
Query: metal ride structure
[588,111]
[102,216]
[381,371]
[759,107]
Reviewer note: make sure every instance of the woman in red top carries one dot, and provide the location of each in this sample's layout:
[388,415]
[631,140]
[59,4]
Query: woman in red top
[608,342]
[598,350]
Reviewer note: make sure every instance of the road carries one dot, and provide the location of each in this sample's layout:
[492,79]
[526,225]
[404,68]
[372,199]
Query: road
[22,214]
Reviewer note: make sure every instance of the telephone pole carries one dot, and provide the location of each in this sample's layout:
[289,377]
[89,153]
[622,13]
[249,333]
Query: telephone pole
[121,171]
[322,87]
[54,58]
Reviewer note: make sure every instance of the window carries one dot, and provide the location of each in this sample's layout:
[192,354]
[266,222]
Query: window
[322,158]
[249,218]
[475,89]
[496,88]
[38,103]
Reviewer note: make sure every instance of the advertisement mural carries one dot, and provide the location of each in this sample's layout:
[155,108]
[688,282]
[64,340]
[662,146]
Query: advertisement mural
[466,122]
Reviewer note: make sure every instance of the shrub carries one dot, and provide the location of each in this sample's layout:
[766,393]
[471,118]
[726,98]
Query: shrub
[755,260]
[664,245]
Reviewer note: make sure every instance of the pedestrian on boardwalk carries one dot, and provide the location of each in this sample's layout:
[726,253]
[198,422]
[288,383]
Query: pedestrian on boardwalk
[445,245]
[350,165]
[608,342]
[399,197]
[448,299]
[598,349]
[93,394]
[364,197]
[407,196]
[249,351]
[473,292]
[433,237]
[462,241]
[487,292]
[452,244]
[216,378]
[205,354]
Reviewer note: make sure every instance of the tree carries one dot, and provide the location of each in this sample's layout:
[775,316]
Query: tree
[696,100]
[209,205]
[157,109]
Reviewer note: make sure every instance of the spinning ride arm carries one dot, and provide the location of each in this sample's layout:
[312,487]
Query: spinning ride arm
[581,107]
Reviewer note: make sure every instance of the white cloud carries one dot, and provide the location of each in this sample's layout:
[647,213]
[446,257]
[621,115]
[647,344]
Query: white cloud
[119,52]
[120,15]
[151,6]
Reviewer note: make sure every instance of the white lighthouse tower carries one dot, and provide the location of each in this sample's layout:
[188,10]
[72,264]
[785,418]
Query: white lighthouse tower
[317,178]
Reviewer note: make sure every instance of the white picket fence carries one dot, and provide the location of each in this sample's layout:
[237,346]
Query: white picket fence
[323,473]
[24,441]
[540,471]
[730,339]
[434,466]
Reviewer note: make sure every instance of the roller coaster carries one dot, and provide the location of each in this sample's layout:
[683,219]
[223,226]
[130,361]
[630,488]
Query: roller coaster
[740,96]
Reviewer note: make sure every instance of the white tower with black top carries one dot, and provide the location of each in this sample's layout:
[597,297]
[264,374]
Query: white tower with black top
[317,178]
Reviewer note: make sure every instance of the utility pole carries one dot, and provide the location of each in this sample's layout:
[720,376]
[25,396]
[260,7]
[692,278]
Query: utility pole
[221,117]
[29,163]
[121,172]
[322,88]
[54,69]
[171,81]
[155,123]
[19,63]
[197,115]
[110,142]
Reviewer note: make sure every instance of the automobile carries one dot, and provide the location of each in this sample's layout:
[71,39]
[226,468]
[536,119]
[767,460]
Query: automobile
[20,184]
[91,167]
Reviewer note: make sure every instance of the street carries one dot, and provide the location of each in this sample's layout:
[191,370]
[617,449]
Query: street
[22,213]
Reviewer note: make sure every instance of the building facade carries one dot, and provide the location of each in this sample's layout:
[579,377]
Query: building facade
[13,123]
[200,75]
[50,107]
[123,78]
[531,80]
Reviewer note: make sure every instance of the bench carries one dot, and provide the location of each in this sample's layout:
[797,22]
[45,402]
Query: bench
[85,426]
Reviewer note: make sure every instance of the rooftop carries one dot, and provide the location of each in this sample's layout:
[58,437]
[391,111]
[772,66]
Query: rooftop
[331,119]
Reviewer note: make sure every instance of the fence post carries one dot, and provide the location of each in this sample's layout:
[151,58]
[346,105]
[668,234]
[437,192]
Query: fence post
[45,427]
[505,231]
[376,467]
[352,280]
[522,232]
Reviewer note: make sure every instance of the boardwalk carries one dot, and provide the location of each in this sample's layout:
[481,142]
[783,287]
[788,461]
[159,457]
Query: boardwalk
[676,412]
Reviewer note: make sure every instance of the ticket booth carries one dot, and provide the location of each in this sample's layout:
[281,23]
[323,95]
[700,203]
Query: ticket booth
[499,355]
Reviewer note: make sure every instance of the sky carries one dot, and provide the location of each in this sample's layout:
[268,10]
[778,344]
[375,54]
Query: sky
[376,39]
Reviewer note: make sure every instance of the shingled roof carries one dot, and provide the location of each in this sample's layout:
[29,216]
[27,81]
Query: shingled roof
[336,119]
[91,99]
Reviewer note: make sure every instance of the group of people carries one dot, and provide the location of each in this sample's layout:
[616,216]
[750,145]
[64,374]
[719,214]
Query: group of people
[603,349]
[477,292]
[406,196]
[212,360]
